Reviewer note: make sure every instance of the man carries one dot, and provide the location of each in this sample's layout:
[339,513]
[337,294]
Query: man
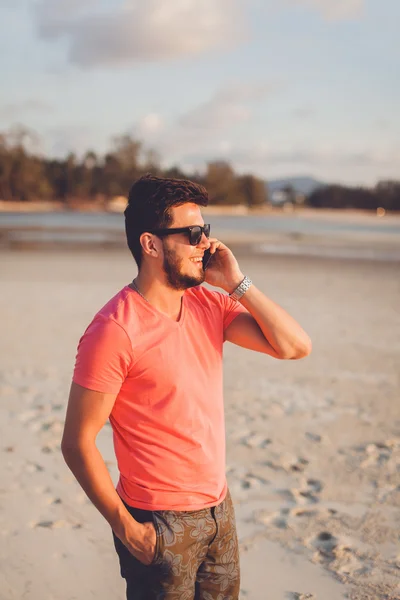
[151,363]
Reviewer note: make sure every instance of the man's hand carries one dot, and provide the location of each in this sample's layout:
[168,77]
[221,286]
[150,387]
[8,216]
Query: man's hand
[141,542]
[223,270]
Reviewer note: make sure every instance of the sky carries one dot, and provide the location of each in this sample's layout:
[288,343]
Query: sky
[275,87]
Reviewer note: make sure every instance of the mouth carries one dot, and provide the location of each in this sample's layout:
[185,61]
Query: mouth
[197,260]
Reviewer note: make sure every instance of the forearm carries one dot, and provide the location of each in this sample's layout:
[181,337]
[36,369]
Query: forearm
[282,332]
[89,468]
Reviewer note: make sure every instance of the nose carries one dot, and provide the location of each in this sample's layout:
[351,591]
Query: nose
[204,242]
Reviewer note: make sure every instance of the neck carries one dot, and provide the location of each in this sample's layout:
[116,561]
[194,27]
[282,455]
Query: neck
[158,293]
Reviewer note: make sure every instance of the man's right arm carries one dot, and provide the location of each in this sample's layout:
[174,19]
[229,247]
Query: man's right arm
[87,413]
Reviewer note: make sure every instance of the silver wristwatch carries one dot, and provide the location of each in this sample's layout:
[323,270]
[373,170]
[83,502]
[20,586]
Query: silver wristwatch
[241,289]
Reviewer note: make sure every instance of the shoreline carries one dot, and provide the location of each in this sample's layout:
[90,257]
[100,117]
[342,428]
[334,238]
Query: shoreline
[240,210]
[335,245]
[302,232]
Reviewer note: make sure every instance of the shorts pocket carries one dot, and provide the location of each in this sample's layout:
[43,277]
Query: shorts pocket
[157,551]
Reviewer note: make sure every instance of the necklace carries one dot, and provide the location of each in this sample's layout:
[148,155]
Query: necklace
[135,287]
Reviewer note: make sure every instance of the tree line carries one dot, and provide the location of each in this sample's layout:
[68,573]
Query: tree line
[27,176]
[385,195]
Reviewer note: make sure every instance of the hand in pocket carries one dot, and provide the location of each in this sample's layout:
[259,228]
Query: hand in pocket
[142,542]
[149,544]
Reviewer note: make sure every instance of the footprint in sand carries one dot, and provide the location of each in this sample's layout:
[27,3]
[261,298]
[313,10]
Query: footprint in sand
[53,425]
[310,492]
[315,485]
[32,467]
[313,437]
[296,496]
[288,463]
[277,519]
[304,513]
[325,542]
[51,500]
[272,465]
[253,482]
[240,479]
[255,440]
[49,524]
[280,522]
[47,449]
[339,555]
[58,524]
[292,463]
[299,596]
[378,453]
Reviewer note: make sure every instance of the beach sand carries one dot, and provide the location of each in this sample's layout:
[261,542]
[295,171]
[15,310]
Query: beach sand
[313,446]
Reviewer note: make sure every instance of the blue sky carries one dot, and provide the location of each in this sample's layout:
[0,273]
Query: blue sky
[276,87]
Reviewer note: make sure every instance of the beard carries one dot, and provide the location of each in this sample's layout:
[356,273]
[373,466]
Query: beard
[177,280]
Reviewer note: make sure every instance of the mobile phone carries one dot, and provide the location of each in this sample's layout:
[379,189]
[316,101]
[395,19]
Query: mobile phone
[206,259]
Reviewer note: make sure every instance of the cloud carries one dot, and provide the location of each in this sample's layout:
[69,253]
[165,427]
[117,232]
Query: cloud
[215,114]
[266,160]
[228,107]
[335,10]
[18,109]
[262,157]
[140,31]
[204,132]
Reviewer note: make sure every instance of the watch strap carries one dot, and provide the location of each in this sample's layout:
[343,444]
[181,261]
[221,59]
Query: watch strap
[241,289]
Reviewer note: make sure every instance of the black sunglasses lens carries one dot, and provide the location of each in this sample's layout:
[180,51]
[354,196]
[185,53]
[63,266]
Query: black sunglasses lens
[197,232]
[195,235]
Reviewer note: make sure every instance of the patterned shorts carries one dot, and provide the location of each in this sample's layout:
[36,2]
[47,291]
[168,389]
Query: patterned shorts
[196,556]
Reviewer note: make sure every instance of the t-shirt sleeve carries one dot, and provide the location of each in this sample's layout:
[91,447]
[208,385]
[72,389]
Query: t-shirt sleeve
[104,356]
[230,309]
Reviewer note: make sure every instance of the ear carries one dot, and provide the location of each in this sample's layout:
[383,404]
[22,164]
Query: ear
[151,245]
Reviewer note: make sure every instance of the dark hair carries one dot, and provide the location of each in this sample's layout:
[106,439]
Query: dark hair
[149,203]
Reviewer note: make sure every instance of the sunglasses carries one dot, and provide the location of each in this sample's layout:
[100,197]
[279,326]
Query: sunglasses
[194,232]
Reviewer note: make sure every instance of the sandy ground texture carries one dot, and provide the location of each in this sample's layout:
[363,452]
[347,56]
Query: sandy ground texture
[313,446]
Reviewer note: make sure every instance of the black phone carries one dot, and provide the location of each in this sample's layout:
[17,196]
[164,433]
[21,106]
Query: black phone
[206,259]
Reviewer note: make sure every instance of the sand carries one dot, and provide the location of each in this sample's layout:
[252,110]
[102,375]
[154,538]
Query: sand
[313,446]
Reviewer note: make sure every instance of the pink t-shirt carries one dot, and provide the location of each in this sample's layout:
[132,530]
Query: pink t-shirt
[168,417]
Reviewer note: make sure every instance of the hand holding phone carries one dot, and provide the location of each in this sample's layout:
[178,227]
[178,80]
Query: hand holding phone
[206,259]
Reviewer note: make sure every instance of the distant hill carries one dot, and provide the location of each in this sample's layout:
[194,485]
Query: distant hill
[301,185]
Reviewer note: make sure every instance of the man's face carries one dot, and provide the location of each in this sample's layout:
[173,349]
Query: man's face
[182,262]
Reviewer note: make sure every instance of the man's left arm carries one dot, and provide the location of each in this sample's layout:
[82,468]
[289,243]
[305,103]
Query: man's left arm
[266,327]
